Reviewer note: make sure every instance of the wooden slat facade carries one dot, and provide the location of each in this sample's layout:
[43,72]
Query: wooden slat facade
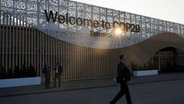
[21,44]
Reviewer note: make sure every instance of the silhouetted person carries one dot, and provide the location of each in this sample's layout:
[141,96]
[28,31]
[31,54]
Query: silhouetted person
[46,71]
[123,75]
[58,72]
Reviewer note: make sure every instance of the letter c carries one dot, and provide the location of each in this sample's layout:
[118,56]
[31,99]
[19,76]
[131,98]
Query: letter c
[72,20]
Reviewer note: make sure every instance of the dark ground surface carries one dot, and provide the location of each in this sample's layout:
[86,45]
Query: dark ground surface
[160,89]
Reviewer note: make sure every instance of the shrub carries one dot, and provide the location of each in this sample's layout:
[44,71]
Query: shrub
[18,72]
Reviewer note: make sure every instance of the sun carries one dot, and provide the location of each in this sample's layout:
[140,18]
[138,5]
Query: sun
[118,31]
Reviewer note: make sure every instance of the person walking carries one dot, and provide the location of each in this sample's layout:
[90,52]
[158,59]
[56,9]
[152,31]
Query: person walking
[46,71]
[58,72]
[123,75]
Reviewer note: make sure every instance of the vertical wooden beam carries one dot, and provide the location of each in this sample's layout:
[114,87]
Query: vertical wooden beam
[1,39]
[19,41]
[6,41]
[10,44]
[13,42]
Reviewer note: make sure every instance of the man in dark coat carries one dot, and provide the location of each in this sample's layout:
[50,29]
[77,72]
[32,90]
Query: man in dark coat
[46,71]
[58,72]
[123,75]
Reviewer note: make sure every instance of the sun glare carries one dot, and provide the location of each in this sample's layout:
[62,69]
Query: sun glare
[118,32]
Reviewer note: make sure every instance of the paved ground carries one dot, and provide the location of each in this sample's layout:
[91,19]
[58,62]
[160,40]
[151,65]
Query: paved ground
[161,89]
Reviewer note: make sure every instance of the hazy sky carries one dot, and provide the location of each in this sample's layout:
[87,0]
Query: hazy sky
[170,10]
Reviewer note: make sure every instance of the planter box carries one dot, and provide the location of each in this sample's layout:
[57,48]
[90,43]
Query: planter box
[145,72]
[14,82]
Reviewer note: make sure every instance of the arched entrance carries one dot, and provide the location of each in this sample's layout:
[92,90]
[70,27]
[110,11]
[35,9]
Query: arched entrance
[162,51]
[169,59]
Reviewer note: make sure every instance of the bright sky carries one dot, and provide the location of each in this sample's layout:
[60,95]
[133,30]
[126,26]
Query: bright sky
[170,10]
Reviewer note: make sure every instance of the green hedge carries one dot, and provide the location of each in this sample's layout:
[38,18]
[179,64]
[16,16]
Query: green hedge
[17,72]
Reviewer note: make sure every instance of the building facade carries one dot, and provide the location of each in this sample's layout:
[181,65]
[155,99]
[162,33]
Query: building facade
[82,38]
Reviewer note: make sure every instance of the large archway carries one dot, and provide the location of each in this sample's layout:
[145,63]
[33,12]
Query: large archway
[168,59]
[142,52]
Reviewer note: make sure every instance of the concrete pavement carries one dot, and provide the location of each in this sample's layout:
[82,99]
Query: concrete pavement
[87,84]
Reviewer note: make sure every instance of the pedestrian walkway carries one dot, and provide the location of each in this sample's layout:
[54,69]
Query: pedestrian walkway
[86,84]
